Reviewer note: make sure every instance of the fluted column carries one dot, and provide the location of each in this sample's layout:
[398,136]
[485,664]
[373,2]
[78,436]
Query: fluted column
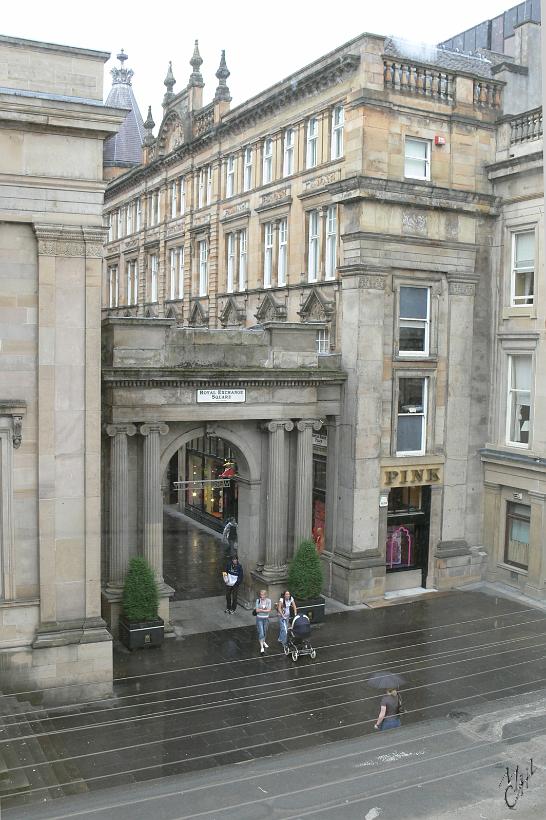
[277,500]
[153,499]
[119,504]
[303,513]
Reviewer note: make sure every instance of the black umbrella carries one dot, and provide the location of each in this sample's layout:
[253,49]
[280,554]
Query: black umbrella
[386,680]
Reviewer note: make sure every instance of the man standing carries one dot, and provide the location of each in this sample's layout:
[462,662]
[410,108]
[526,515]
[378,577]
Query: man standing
[229,537]
[233,568]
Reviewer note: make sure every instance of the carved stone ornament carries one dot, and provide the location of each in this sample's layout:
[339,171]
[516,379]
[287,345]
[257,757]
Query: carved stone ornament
[56,240]
[315,308]
[414,222]
[241,207]
[321,181]
[462,288]
[232,314]
[174,312]
[275,196]
[270,310]
[17,431]
[198,316]
[372,282]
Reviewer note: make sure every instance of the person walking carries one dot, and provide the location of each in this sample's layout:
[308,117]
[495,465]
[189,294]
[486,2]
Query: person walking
[262,612]
[233,568]
[389,712]
[229,537]
[284,606]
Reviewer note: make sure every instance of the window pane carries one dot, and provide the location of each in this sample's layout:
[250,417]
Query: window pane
[521,372]
[412,337]
[416,169]
[410,395]
[416,149]
[413,303]
[525,249]
[517,535]
[410,433]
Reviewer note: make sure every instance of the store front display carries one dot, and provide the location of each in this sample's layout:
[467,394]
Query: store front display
[320,442]
[408,520]
[209,459]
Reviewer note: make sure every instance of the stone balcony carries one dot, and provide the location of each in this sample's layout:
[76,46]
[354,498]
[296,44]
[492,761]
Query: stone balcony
[520,135]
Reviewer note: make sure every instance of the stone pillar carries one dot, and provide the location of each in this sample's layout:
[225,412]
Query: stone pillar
[277,501]
[152,499]
[119,504]
[303,513]
[536,576]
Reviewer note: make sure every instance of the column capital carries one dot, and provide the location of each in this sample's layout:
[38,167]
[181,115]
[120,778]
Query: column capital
[114,429]
[277,424]
[154,427]
[304,424]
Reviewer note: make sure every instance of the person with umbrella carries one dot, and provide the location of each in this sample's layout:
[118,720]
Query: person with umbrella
[391,702]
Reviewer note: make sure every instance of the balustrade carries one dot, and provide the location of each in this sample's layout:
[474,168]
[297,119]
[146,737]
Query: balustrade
[418,79]
[526,127]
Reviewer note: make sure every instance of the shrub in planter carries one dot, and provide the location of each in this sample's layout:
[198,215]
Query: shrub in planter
[305,580]
[139,624]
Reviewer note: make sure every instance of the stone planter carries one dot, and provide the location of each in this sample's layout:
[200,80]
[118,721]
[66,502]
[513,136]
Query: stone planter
[141,634]
[312,607]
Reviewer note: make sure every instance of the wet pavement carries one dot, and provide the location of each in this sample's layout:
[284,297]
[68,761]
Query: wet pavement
[203,702]
[193,557]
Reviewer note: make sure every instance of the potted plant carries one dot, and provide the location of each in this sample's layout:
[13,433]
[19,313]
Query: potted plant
[139,624]
[305,580]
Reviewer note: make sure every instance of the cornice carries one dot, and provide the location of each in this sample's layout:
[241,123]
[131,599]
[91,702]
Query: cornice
[177,377]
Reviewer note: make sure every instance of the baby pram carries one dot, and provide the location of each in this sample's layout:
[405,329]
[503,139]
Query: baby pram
[298,638]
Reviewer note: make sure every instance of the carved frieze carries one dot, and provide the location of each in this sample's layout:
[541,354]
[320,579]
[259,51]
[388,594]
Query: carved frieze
[414,222]
[461,288]
[130,244]
[175,227]
[371,282]
[240,208]
[321,181]
[275,196]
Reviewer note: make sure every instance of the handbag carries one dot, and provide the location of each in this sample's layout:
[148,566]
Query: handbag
[254,612]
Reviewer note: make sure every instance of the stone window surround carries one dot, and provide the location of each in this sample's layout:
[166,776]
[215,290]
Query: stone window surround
[512,226]
[434,284]
[11,429]
[235,229]
[503,560]
[322,209]
[511,344]
[421,372]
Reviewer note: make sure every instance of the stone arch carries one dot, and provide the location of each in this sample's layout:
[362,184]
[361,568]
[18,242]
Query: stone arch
[250,464]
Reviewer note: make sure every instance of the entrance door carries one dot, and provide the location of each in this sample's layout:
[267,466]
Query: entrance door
[408,523]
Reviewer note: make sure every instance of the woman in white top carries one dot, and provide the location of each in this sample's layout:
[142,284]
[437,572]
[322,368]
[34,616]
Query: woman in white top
[284,606]
[263,609]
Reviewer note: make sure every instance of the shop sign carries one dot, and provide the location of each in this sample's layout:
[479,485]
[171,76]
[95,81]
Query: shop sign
[408,476]
[212,396]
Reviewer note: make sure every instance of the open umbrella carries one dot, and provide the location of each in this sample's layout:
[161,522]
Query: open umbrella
[386,680]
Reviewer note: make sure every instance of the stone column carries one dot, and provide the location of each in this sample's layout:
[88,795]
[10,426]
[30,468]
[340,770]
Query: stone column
[119,504]
[277,501]
[152,498]
[303,513]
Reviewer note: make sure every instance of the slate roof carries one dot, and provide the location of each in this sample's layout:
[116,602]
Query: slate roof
[124,149]
[452,61]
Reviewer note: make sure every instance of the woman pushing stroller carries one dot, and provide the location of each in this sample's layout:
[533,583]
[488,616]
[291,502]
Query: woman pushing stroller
[285,605]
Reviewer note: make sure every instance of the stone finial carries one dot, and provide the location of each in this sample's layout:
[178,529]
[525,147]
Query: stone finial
[196,78]
[149,125]
[169,82]
[122,74]
[222,92]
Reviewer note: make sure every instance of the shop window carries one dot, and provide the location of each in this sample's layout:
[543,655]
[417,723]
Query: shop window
[519,400]
[412,406]
[523,268]
[404,500]
[516,548]
[414,321]
[417,158]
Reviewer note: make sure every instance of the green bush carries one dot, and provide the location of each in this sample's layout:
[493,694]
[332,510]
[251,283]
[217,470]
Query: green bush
[305,578]
[140,596]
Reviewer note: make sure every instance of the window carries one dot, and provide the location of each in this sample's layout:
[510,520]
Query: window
[153,277]
[230,261]
[413,331]
[118,224]
[268,254]
[176,289]
[242,258]
[110,224]
[323,341]
[519,400]
[247,169]
[203,267]
[132,282]
[417,159]
[209,184]
[516,545]
[313,247]
[230,176]
[267,168]
[201,186]
[153,208]
[113,286]
[138,214]
[182,196]
[288,159]
[523,268]
[411,429]
[331,242]
[174,198]
[312,142]
[283,252]
[130,211]
[338,121]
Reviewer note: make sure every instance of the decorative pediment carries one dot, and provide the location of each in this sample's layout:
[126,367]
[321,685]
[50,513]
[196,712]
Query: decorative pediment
[171,133]
[232,314]
[198,316]
[174,312]
[270,310]
[150,312]
[316,308]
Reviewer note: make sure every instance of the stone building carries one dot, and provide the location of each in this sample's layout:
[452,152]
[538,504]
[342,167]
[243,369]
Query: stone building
[307,278]
[53,125]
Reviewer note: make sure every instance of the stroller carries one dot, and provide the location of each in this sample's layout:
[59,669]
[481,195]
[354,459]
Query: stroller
[298,642]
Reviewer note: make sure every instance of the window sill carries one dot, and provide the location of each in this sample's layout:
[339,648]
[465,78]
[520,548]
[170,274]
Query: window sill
[523,312]
[417,358]
[511,568]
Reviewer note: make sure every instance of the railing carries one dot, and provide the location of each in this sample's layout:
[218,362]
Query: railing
[487,94]
[526,127]
[204,120]
[417,79]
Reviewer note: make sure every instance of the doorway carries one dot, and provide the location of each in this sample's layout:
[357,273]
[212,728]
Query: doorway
[408,525]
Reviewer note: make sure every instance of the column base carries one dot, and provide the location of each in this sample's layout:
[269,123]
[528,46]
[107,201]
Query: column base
[356,577]
[456,564]
[274,586]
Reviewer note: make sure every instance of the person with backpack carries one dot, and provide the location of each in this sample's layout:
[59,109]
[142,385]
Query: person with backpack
[390,710]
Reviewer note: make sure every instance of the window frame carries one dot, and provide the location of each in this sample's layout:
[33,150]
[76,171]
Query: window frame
[322,341]
[282,253]
[230,261]
[267,161]
[230,176]
[268,241]
[514,233]
[424,414]
[288,152]
[509,517]
[311,143]
[203,260]
[330,245]
[337,139]
[138,213]
[427,160]
[508,399]
[243,258]
[247,168]
[154,276]
[313,245]
[113,286]
[131,275]
[414,354]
